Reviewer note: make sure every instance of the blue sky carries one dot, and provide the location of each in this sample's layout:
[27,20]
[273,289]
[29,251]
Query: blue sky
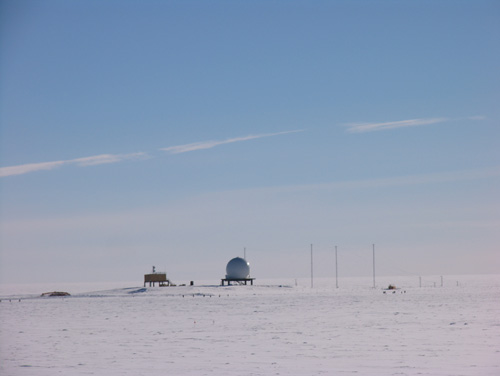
[176,133]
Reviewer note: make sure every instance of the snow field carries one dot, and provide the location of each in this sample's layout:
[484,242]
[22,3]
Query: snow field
[256,330]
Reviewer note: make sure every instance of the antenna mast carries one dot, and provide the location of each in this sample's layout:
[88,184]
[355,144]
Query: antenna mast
[336,270]
[312,266]
[373,265]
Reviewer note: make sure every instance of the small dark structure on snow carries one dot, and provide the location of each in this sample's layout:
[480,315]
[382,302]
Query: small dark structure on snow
[56,293]
[155,276]
[239,280]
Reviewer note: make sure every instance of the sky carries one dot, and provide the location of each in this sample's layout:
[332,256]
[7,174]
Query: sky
[180,133]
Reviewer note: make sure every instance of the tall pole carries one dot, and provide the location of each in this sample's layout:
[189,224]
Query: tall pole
[373,265]
[312,266]
[336,270]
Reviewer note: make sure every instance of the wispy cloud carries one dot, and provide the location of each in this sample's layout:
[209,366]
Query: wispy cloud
[370,127]
[82,162]
[477,117]
[396,181]
[211,144]
[114,158]
[106,158]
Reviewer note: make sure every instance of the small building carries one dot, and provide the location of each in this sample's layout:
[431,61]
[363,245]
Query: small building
[154,276]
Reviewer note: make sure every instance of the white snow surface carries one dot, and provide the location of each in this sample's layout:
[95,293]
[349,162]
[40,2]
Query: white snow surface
[276,327]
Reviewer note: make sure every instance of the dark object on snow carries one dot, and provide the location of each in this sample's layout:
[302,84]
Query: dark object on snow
[159,277]
[138,291]
[391,287]
[56,293]
[240,281]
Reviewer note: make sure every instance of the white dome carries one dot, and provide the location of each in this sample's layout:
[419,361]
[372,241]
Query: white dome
[237,268]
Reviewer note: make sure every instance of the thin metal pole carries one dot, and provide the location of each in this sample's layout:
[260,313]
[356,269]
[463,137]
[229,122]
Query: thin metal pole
[336,270]
[312,275]
[373,265]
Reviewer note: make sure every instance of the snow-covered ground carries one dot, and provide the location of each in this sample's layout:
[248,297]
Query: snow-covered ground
[272,328]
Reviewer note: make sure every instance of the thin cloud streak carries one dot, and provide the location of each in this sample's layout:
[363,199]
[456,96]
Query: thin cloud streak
[125,218]
[370,127]
[106,158]
[114,158]
[210,144]
[406,180]
[81,162]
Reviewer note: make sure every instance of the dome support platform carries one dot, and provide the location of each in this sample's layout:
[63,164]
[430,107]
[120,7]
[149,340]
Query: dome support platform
[229,280]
